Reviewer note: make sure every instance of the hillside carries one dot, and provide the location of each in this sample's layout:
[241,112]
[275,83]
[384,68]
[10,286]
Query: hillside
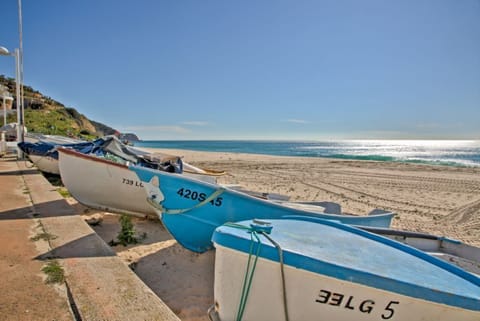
[48,116]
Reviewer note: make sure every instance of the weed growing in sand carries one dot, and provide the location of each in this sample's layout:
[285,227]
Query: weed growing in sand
[64,192]
[127,233]
[43,236]
[54,272]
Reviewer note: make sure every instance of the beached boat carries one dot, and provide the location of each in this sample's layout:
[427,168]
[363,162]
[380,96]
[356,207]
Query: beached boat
[191,210]
[53,139]
[42,150]
[296,269]
[103,180]
[453,251]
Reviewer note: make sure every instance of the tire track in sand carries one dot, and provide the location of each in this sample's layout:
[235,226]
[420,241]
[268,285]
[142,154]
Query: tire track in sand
[465,214]
[395,205]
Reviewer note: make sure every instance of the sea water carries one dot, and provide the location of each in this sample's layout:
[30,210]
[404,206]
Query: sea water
[437,152]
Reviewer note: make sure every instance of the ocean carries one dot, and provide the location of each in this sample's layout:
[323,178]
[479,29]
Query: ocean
[437,152]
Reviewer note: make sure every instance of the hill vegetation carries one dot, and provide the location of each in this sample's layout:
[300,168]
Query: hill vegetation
[47,116]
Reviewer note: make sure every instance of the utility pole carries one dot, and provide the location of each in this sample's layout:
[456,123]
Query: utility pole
[20,112]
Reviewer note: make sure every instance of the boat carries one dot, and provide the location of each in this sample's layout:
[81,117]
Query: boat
[450,250]
[53,139]
[191,210]
[101,179]
[303,269]
[42,150]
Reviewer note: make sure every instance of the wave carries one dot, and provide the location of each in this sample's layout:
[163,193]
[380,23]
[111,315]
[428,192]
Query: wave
[426,161]
[450,153]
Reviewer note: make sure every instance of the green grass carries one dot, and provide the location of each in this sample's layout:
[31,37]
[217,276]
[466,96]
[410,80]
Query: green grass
[64,192]
[54,272]
[47,116]
[53,122]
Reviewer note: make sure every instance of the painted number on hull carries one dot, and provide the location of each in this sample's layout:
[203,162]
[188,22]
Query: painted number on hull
[351,303]
[132,182]
[196,196]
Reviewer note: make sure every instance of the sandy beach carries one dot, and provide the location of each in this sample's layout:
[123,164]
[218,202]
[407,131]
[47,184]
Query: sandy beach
[434,199]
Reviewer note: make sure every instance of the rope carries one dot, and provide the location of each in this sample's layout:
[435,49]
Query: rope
[284,288]
[247,281]
[158,206]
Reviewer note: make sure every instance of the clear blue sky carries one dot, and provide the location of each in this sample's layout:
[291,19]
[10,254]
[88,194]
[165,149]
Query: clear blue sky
[217,69]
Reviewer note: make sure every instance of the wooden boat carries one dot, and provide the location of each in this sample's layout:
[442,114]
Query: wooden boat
[103,181]
[191,209]
[301,269]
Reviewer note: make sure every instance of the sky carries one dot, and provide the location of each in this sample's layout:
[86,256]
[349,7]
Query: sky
[250,69]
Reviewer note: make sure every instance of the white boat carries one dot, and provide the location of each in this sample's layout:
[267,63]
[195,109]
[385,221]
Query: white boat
[313,269]
[52,139]
[46,164]
[42,150]
[450,250]
[107,184]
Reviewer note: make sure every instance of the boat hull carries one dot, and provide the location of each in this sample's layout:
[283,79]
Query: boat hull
[45,164]
[312,296]
[102,184]
[191,210]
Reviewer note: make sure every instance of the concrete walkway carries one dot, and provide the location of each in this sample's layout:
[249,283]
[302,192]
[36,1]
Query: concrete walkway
[98,286]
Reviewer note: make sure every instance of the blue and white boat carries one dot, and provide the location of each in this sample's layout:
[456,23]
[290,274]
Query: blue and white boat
[191,209]
[315,269]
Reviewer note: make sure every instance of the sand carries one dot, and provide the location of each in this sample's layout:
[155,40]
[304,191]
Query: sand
[433,199]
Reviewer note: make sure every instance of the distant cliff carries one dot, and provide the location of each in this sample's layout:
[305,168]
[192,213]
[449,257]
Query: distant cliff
[48,116]
[130,137]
